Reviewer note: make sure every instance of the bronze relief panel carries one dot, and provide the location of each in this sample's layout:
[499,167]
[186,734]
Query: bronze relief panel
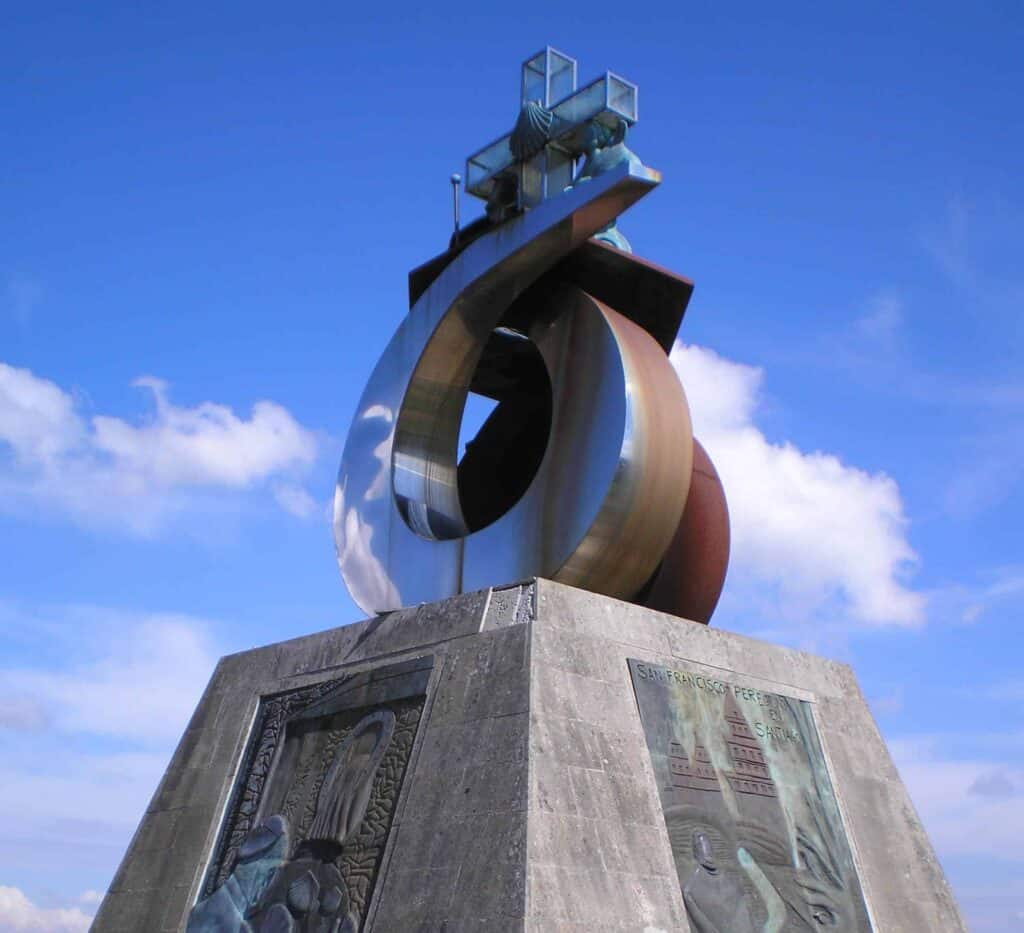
[752,817]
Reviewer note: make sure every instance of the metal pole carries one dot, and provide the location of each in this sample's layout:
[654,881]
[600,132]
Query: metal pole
[456,180]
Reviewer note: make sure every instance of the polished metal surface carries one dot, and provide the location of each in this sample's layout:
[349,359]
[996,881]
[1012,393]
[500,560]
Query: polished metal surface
[612,484]
[692,572]
[537,159]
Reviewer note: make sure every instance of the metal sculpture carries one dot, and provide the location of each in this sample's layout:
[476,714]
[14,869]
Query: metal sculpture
[581,473]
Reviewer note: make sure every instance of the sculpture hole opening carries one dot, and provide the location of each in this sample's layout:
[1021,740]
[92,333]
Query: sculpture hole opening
[475,414]
[505,427]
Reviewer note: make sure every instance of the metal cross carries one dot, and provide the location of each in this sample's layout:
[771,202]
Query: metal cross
[537,159]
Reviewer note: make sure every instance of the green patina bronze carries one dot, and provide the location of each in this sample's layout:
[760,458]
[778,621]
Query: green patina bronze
[755,829]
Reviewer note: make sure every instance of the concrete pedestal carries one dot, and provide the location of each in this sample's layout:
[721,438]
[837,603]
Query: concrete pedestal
[518,791]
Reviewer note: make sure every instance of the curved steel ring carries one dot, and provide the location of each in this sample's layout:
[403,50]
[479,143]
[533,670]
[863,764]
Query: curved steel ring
[613,480]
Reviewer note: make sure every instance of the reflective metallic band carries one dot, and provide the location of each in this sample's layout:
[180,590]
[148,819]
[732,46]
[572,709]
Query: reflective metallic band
[612,484]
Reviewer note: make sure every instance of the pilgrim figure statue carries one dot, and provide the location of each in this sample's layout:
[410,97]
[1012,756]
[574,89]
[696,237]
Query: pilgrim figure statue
[605,149]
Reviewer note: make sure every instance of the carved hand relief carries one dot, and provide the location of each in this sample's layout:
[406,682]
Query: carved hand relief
[306,829]
[751,815]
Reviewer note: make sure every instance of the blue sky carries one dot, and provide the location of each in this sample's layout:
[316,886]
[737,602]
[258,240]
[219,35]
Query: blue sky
[207,213]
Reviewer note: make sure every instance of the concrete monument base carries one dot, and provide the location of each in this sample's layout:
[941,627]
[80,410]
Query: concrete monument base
[533,757]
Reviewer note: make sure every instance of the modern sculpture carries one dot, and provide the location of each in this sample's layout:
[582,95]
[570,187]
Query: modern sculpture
[496,750]
[583,473]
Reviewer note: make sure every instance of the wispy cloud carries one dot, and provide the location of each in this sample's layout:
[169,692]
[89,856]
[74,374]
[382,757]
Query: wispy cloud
[138,678]
[134,476]
[297,501]
[22,712]
[896,347]
[102,696]
[888,704]
[990,469]
[19,298]
[881,321]
[992,905]
[968,602]
[971,806]
[948,241]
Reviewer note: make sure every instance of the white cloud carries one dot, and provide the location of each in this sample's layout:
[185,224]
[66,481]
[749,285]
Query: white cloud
[73,803]
[971,807]
[108,470]
[296,501]
[37,419]
[115,690]
[828,538]
[18,913]
[973,810]
[139,677]
[992,905]
[21,712]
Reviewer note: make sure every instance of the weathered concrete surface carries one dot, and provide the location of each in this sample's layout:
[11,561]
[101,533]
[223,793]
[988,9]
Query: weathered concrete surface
[530,801]
[579,647]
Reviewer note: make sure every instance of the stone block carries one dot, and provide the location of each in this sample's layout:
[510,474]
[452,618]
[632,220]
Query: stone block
[529,799]
[510,605]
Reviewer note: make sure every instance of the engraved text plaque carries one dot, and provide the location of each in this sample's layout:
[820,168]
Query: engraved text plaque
[755,828]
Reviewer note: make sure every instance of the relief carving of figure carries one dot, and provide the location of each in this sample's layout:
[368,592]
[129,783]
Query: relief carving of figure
[260,855]
[812,892]
[715,900]
[268,892]
[820,881]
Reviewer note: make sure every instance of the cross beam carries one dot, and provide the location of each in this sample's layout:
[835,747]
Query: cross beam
[549,79]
